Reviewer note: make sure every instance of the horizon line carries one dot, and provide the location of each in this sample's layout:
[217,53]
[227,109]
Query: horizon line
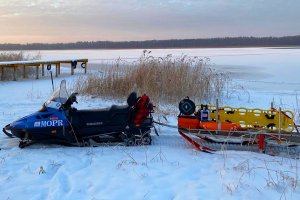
[151,40]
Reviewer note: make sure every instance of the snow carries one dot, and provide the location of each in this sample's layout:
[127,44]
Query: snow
[169,169]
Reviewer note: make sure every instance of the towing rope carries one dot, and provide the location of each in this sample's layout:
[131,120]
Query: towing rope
[73,132]
[167,125]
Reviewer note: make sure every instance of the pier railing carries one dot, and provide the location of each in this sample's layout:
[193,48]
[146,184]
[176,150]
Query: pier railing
[42,64]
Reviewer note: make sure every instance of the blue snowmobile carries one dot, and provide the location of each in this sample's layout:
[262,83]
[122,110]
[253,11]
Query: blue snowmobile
[60,123]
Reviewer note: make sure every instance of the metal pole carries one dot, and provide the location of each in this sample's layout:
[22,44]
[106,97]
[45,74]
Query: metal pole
[272,104]
[279,122]
[217,113]
[52,80]
[261,141]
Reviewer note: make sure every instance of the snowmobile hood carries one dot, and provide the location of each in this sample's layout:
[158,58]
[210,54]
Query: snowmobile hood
[20,123]
[51,118]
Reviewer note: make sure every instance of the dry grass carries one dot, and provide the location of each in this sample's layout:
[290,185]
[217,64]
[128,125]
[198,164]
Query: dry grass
[165,79]
[11,56]
[19,56]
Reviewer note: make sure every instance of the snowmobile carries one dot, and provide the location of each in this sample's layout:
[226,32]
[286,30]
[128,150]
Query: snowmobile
[60,123]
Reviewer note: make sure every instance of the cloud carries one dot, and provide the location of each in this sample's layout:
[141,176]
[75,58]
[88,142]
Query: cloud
[59,20]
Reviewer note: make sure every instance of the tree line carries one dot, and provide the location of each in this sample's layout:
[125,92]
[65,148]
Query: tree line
[172,43]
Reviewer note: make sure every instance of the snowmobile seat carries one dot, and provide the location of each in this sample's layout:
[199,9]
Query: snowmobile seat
[115,113]
[90,115]
[123,109]
[131,101]
[118,113]
[116,109]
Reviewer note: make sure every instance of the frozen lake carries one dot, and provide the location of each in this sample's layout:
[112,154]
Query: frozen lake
[263,73]
[277,65]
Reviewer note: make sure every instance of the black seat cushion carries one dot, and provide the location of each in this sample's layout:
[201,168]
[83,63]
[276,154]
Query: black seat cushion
[117,107]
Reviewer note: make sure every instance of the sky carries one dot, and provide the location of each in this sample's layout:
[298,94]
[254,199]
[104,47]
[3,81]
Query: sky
[50,21]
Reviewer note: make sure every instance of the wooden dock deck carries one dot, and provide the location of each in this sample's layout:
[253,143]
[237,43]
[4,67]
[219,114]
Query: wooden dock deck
[42,64]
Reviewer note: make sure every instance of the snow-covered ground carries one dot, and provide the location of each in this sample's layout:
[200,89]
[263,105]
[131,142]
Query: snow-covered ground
[168,169]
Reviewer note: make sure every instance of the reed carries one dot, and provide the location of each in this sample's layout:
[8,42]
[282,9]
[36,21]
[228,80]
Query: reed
[164,79]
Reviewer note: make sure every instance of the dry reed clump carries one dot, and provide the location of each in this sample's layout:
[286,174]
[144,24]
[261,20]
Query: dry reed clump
[165,79]
[17,56]
[11,56]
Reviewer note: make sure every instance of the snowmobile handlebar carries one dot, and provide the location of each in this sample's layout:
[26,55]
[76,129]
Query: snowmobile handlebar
[72,98]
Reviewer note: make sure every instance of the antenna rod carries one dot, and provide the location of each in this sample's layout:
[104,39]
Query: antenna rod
[52,80]
[49,69]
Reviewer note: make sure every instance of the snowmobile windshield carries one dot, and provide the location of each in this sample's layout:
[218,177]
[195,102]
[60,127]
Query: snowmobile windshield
[58,97]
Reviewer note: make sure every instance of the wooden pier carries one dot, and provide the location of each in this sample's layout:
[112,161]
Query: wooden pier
[49,64]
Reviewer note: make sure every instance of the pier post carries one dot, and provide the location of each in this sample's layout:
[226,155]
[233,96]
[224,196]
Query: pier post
[56,70]
[2,73]
[15,69]
[37,72]
[24,71]
[43,69]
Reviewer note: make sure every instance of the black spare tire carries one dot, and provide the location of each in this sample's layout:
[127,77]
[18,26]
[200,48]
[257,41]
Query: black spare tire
[187,106]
